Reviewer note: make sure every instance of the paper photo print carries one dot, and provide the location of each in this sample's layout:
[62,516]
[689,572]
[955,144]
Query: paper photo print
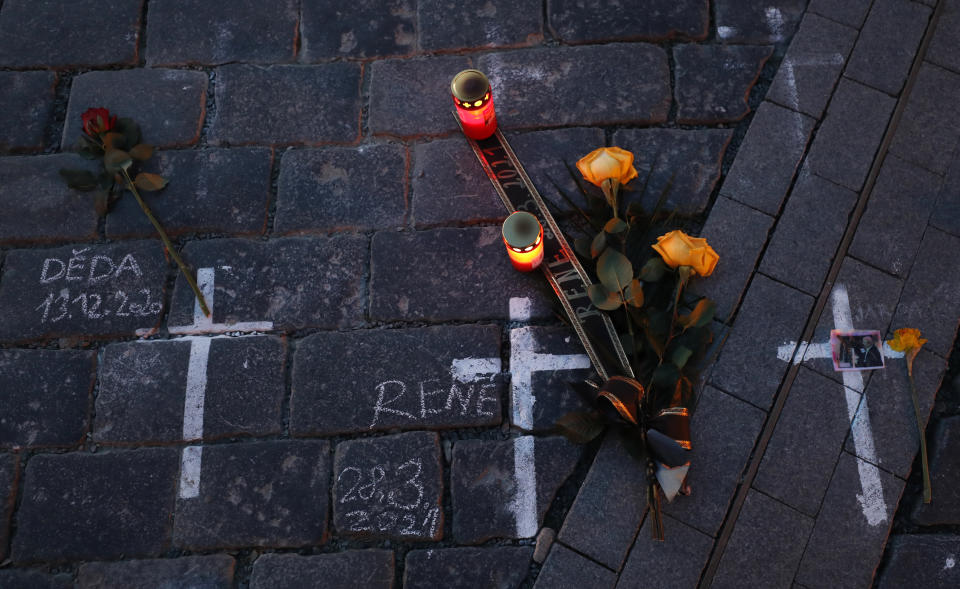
[856,349]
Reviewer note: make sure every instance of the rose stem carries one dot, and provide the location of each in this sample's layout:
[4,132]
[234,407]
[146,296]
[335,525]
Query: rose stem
[167,244]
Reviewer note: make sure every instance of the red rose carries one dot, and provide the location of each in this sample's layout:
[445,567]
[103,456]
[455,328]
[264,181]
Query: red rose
[97,120]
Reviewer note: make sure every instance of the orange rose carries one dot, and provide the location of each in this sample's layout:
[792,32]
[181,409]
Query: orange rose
[679,249]
[607,163]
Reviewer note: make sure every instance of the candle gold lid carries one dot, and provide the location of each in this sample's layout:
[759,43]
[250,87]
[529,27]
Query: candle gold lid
[521,230]
[469,86]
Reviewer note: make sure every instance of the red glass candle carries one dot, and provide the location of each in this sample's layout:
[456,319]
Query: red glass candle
[474,100]
[523,236]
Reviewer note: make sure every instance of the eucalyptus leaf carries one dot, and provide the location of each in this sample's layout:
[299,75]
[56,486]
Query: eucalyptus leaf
[141,152]
[616,225]
[653,270]
[701,315]
[579,427]
[116,160]
[598,244]
[680,356]
[614,270]
[114,140]
[130,130]
[150,182]
[602,298]
[634,293]
[82,180]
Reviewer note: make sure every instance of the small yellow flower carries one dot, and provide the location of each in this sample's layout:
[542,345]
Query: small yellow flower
[906,339]
[679,249]
[607,163]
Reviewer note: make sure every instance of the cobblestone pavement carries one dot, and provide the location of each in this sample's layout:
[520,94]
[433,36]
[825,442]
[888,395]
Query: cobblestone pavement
[346,417]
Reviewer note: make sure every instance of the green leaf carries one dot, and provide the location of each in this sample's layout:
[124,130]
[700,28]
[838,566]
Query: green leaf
[665,377]
[114,140]
[598,244]
[653,270]
[603,299]
[616,225]
[614,270]
[701,315]
[81,180]
[150,182]
[579,427]
[582,245]
[88,149]
[141,152]
[634,293]
[680,356]
[130,130]
[116,160]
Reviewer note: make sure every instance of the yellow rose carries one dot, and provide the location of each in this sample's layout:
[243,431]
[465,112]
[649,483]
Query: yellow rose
[607,163]
[906,339]
[679,249]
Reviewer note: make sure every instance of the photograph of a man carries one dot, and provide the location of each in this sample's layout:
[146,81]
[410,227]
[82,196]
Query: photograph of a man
[856,350]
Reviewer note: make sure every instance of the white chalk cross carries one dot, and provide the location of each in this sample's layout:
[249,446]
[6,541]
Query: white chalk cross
[192,456]
[871,500]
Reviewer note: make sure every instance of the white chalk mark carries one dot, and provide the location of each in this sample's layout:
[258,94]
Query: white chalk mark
[190,461]
[872,503]
[775,22]
[524,361]
[474,369]
[950,563]
[524,504]
[196,389]
[204,324]
[519,309]
[726,32]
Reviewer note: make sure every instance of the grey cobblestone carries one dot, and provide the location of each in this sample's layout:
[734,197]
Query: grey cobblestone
[266,281]
[887,44]
[741,233]
[847,141]
[564,567]
[448,24]
[342,189]
[678,562]
[143,384]
[653,20]
[395,379]
[810,70]
[757,21]
[28,99]
[176,98]
[97,290]
[29,579]
[278,104]
[96,506]
[944,472]
[796,257]
[634,80]
[200,572]
[389,487]
[771,313]
[411,97]
[946,213]
[46,396]
[198,32]
[359,29]
[760,554]
[888,408]
[615,484]
[930,125]
[213,190]
[814,418]
[692,158]
[896,215]
[48,34]
[335,571]
[259,494]
[845,546]
[713,82]
[456,274]
[942,49]
[500,567]
[922,560]
[720,454]
[850,12]
[53,212]
[484,484]
[929,300]
[768,158]
[8,495]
